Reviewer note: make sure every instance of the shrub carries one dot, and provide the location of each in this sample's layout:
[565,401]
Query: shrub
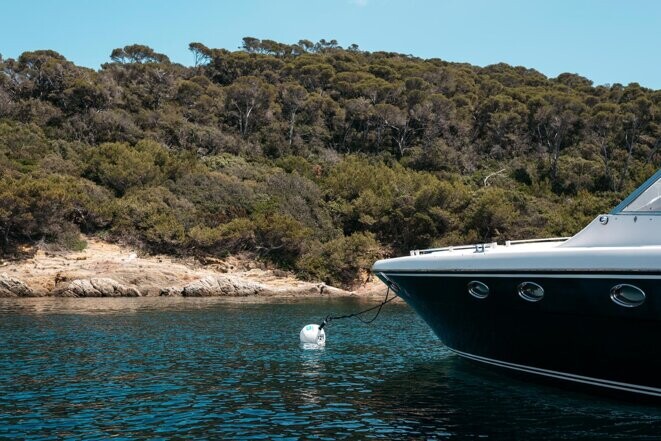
[43,208]
[301,199]
[340,261]
[218,198]
[121,167]
[490,216]
[155,217]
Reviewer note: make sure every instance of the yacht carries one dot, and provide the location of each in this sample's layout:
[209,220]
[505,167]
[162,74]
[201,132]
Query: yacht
[584,309]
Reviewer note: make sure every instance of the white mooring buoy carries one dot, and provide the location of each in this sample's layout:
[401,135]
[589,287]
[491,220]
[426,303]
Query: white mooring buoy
[312,336]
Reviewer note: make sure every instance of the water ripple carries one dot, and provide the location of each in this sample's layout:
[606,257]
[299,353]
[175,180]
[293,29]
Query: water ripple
[217,368]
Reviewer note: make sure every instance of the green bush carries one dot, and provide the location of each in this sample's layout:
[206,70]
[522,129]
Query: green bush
[48,208]
[405,209]
[490,216]
[121,166]
[155,217]
[341,261]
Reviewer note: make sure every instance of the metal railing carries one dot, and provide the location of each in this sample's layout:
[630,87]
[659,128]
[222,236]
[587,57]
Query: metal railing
[482,247]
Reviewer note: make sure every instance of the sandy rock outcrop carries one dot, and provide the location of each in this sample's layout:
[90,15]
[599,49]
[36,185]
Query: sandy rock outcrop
[110,270]
[214,286]
[97,287]
[11,287]
[232,286]
[171,291]
[332,291]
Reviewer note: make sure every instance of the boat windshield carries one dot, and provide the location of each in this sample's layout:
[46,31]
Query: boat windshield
[648,200]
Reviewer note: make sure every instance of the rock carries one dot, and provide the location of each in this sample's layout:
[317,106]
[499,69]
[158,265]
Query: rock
[332,291]
[60,278]
[280,273]
[210,260]
[10,287]
[98,287]
[297,291]
[211,286]
[171,292]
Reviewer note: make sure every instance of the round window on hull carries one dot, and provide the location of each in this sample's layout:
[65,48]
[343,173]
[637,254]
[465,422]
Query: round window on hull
[478,290]
[628,296]
[531,292]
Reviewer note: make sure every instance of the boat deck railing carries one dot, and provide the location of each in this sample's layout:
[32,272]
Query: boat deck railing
[482,247]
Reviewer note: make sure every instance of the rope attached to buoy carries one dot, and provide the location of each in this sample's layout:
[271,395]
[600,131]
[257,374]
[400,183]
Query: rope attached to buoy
[359,314]
[314,337]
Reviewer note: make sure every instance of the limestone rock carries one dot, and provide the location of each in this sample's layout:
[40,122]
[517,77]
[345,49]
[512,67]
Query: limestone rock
[98,287]
[171,292]
[10,287]
[213,286]
[332,291]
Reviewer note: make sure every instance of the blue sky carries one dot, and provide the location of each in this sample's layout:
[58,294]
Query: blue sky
[607,41]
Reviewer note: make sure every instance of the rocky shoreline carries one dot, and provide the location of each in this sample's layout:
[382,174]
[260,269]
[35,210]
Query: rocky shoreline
[109,270]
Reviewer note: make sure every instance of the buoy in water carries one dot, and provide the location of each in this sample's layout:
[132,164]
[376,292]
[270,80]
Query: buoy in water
[312,335]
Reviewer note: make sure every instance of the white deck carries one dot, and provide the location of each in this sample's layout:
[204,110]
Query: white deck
[623,243]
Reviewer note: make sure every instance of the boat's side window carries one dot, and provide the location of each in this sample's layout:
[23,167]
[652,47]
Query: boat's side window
[478,289]
[628,296]
[530,291]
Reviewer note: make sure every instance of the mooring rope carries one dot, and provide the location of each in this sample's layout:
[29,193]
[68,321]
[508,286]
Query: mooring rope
[358,315]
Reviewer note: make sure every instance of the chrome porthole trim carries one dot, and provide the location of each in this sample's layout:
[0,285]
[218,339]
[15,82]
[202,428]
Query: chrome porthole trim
[627,295]
[530,291]
[478,289]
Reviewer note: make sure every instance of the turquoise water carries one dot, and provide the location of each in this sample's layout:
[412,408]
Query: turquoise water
[217,368]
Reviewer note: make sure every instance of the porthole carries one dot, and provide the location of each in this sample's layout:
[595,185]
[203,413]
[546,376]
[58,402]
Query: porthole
[530,291]
[478,289]
[628,296]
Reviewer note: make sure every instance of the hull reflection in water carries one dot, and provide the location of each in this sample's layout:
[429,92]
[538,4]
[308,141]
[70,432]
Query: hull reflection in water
[585,309]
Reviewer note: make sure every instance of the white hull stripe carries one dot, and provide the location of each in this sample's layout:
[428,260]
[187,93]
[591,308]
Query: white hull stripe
[530,275]
[653,391]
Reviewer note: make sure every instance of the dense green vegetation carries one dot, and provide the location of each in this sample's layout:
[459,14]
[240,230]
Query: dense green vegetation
[314,157]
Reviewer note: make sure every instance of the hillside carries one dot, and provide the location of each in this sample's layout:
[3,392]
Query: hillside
[312,157]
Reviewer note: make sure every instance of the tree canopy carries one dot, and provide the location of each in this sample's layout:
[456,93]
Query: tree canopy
[315,157]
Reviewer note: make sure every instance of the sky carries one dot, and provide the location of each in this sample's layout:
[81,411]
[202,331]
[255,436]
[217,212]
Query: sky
[607,41]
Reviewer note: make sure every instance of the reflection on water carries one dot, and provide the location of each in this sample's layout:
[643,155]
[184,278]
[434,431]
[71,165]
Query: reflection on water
[213,368]
[126,305]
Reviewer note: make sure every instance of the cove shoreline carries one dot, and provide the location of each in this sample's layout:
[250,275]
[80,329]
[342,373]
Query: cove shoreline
[105,269]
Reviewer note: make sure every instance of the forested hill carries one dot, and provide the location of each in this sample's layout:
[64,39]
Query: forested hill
[314,157]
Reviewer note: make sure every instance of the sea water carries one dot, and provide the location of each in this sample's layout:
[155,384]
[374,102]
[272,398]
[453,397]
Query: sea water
[168,368]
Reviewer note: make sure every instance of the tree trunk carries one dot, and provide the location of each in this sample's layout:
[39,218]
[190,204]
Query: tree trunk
[557,141]
[292,121]
[625,170]
[655,149]
[607,165]
[246,121]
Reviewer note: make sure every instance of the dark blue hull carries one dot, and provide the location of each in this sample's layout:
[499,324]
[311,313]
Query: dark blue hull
[575,332]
